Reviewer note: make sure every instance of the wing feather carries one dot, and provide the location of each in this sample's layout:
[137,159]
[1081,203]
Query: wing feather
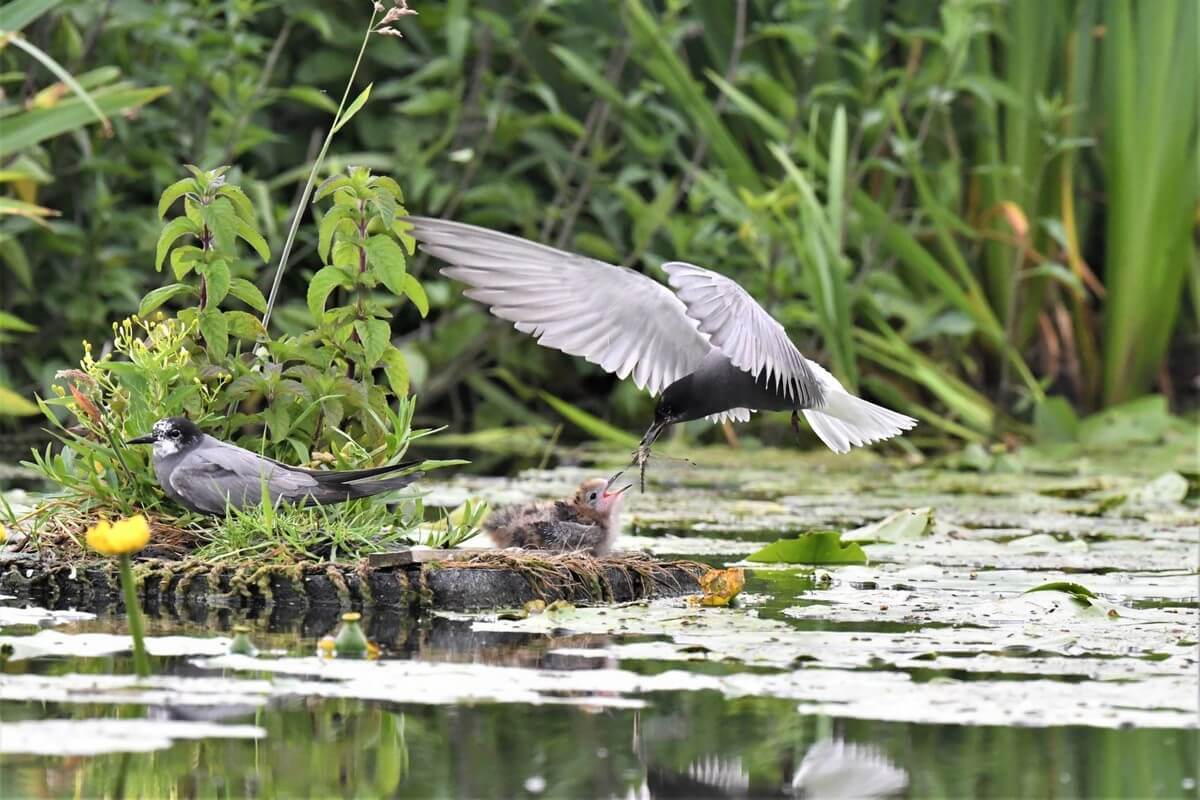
[739,327]
[625,322]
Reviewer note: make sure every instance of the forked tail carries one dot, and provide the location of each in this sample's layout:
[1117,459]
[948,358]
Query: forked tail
[846,421]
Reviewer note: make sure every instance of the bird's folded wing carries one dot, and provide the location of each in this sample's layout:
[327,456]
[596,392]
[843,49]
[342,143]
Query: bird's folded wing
[209,475]
[625,322]
[739,327]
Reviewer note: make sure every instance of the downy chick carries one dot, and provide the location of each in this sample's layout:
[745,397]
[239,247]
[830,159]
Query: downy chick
[588,521]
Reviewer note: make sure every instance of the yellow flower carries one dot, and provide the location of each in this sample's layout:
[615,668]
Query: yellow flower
[119,538]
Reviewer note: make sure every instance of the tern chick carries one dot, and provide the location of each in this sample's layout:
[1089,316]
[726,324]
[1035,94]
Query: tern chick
[589,521]
[207,475]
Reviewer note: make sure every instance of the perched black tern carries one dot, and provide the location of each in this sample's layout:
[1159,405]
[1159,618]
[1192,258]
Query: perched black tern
[706,349]
[207,475]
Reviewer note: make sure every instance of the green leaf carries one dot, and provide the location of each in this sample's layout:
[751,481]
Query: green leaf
[1077,591]
[325,281]
[248,293]
[252,237]
[349,113]
[345,256]
[222,221]
[330,185]
[184,258]
[162,294]
[311,96]
[816,547]
[11,323]
[387,262]
[13,405]
[173,192]
[241,203]
[329,225]
[376,337]
[1054,420]
[386,184]
[396,370]
[416,293]
[215,331]
[172,231]
[31,127]
[17,14]
[216,282]
[903,526]
[244,326]
[590,424]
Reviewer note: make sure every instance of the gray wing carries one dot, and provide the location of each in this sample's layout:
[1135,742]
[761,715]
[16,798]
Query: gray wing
[215,473]
[739,327]
[627,323]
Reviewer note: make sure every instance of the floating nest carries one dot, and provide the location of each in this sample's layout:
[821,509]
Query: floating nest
[460,581]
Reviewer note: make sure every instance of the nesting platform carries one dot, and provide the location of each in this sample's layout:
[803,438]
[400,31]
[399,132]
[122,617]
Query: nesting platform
[409,582]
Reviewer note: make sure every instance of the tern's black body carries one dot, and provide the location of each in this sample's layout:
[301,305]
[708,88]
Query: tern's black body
[207,475]
[718,386]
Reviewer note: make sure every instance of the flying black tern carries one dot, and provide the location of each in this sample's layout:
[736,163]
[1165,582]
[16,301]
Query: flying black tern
[207,475]
[706,349]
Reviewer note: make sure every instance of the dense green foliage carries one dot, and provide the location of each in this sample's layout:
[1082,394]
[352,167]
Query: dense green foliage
[961,208]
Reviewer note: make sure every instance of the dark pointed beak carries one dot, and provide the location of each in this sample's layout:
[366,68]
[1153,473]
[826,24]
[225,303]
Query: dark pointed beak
[147,439]
[611,481]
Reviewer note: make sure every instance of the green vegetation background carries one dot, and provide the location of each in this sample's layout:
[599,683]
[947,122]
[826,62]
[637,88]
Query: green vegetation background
[963,208]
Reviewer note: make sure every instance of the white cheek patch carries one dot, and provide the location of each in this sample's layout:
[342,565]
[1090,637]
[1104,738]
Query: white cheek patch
[165,447]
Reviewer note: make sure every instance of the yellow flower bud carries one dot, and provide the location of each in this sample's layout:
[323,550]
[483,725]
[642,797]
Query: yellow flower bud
[119,538]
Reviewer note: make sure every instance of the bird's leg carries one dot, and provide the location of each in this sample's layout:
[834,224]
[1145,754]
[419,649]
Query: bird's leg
[796,425]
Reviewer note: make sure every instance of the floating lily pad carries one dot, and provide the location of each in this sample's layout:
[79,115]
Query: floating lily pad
[90,737]
[903,526]
[818,547]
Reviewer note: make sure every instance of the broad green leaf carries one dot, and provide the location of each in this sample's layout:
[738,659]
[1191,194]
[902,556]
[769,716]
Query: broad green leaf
[376,336]
[416,293]
[216,282]
[13,405]
[330,185]
[12,323]
[43,58]
[329,225]
[325,281]
[184,258]
[173,192]
[252,237]
[353,109]
[17,14]
[311,96]
[215,331]
[816,547]
[222,221]
[19,208]
[396,370]
[590,424]
[346,255]
[14,256]
[1054,420]
[172,231]
[244,326]
[1076,590]
[248,293]
[31,127]
[386,184]
[387,262]
[241,203]
[903,526]
[162,294]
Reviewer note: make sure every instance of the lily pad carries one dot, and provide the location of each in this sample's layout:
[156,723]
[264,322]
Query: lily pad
[817,547]
[90,737]
[903,526]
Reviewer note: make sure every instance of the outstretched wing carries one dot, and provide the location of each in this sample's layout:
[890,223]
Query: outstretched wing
[740,328]
[622,320]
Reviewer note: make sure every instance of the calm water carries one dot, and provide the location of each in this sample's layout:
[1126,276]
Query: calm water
[682,744]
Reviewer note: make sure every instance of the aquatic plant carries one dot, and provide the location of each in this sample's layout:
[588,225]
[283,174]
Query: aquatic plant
[122,539]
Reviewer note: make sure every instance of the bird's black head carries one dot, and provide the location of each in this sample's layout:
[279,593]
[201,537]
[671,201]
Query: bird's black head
[170,435]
